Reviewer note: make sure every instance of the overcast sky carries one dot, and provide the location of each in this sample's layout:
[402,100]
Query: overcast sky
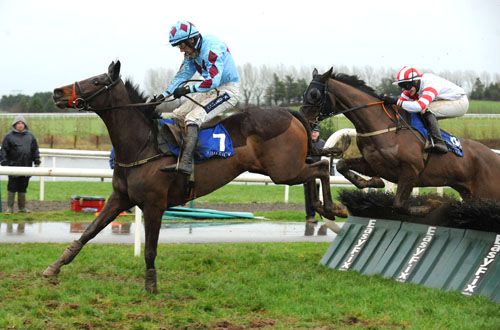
[47,44]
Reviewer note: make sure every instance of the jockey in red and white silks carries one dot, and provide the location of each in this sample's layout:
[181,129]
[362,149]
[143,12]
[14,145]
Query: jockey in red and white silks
[442,97]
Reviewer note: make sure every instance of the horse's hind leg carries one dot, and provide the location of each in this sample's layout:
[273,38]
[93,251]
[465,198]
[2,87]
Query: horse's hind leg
[328,209]
[113,207]
[152,224]
[310,172]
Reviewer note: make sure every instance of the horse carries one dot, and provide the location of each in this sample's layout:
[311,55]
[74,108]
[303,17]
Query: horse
[270,142]
[394,151]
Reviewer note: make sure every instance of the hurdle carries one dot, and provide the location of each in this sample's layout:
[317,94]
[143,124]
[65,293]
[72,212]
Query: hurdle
[445,258]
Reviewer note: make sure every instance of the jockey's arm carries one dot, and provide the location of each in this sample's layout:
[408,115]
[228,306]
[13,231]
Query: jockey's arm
[419,105]
[213,73]
[186,72]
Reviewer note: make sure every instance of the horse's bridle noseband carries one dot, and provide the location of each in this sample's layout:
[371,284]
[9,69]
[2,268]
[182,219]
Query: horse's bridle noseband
[327,109]
[82,103]
[324,102]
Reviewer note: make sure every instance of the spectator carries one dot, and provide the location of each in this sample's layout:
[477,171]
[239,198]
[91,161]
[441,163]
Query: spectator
[19,148]
[318,144]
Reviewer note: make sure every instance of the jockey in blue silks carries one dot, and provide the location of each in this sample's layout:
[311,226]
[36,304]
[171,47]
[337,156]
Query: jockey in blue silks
[218,92]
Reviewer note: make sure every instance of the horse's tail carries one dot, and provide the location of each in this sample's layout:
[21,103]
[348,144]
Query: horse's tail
[306,125]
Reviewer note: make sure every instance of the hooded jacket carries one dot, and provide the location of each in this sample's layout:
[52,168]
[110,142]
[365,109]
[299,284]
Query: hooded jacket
[20,148]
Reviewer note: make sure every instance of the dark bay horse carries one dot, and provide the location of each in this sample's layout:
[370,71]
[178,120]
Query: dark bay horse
[270,142]
[397,155]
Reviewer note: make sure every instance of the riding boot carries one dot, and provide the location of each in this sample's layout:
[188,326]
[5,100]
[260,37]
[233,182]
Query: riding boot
[10,202]
[433,127]
[21,202]
[185,165]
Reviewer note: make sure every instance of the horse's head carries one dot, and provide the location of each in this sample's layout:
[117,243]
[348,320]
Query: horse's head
[317,104]
[89,94]
[332,94]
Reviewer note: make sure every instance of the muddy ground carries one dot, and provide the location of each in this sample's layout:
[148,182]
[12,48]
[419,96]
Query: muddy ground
[38,206]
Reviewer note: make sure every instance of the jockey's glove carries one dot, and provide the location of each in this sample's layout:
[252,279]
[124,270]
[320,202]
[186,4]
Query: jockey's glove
[156,98]
[181,91]
[389,100]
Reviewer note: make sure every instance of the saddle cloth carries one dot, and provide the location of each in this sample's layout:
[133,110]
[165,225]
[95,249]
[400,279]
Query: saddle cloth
[212,142]
[451,141]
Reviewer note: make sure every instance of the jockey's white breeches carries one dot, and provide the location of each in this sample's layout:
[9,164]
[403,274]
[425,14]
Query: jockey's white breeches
[450,108]
[216,101]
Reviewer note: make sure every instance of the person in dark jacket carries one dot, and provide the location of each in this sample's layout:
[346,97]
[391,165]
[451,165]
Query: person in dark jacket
[310,214]
[19,148]
[112,158]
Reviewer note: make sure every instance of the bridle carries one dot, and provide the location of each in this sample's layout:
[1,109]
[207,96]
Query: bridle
[327,109]
[323,102]
[82,103]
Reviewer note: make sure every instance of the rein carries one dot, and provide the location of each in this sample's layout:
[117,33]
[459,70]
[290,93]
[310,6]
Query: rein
[140,162]
[324,113]
[82,103]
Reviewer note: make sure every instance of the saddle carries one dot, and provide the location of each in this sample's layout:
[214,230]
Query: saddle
[452,142]
[213,142]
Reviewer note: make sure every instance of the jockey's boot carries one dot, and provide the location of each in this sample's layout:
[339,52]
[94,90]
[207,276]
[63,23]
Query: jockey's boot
[186,161]
[433,127]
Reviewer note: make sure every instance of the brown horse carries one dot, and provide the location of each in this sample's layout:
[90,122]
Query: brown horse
[270,142]
[395,154]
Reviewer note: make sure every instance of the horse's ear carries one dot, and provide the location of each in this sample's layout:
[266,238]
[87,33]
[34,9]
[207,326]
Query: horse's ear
[114,70]
[327,75]
[315,72]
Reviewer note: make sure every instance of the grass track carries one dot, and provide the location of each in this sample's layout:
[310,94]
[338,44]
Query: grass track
[205,286]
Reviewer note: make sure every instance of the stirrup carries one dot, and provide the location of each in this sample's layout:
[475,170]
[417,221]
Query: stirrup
[439,148]
[170,168]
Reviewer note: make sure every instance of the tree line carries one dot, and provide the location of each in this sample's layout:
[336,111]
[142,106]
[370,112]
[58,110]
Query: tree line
[285,85]
[278,85]
[38,102]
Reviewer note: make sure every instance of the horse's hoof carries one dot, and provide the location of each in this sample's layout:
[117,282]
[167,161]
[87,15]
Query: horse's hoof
[375,183]
[51,271]
[151,281]
[309,229]
[322,230]
[340,211]
[151,288]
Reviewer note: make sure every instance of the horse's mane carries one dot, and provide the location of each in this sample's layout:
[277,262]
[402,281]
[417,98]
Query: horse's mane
[354,81]
[137,96]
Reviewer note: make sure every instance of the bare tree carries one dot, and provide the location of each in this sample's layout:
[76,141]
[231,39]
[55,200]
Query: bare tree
[262,82]
[248,78]
[157,80]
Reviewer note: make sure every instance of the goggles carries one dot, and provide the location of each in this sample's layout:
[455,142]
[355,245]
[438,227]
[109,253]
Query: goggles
[406,85]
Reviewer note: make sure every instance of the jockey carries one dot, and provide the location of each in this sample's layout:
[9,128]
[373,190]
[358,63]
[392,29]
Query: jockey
[218,92]
[432,96]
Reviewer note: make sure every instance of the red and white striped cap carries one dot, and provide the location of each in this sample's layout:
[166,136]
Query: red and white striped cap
[407,73]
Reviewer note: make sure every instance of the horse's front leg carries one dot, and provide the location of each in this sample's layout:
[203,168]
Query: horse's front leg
[114,206]
[347,166]
[152,225]
[407,179]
